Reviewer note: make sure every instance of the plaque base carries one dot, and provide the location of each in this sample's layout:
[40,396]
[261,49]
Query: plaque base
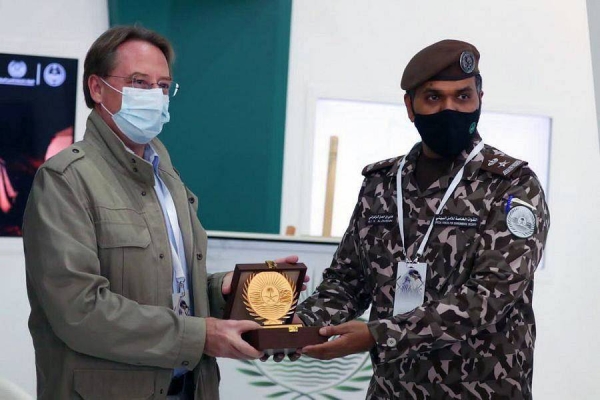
[283,338]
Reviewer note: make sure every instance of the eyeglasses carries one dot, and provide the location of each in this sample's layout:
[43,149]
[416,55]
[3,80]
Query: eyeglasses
[168,87]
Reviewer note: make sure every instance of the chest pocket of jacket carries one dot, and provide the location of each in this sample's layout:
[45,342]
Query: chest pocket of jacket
[123,240]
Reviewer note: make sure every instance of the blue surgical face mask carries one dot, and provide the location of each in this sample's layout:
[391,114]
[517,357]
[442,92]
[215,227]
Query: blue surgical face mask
[143,113]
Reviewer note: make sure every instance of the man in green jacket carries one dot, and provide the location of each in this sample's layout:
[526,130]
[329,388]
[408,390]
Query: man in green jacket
[121,304]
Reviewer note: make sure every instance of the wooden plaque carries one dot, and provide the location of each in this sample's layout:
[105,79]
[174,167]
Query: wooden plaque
[268,294]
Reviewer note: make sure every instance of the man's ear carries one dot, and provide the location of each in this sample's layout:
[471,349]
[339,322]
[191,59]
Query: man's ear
[95,85]
[409,108]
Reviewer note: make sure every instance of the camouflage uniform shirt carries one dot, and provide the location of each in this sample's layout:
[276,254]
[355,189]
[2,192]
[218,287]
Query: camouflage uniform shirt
[473,337]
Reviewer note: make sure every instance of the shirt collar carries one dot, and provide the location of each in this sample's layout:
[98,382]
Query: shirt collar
[152,157]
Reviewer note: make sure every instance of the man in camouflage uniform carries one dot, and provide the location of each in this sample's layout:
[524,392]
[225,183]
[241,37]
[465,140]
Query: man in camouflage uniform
[472,333]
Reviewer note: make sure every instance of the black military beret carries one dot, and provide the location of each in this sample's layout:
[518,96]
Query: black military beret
[448,60]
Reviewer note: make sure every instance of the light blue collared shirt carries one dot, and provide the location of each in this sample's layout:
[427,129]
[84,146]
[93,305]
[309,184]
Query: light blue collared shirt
[175,238]
[170,214]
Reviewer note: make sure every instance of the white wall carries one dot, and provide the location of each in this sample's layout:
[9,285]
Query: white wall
[535,60]
[61,28]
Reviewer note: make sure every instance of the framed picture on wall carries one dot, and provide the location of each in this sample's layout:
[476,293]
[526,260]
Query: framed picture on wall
[37,120]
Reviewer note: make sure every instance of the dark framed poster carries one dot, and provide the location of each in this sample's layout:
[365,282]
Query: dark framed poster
[37,120]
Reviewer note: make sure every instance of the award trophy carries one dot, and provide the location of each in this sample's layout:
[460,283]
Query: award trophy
[268,294]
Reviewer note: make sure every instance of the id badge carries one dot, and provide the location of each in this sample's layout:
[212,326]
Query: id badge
[410,286]
[181,303]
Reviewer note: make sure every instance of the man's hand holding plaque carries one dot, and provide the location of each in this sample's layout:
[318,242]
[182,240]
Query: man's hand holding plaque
[267,293]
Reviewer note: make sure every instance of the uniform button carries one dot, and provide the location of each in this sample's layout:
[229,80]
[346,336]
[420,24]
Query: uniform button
[134,169]
[192,200]
[75,150]
[143,193]
[185,363]
[199,256]
[133,160]
[161,255]
[161,391]
[391,342]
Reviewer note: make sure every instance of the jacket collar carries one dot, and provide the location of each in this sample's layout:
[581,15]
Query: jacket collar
[113,150]
[471,172]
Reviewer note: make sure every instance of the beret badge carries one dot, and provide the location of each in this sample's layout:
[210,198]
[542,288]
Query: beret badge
[467,62]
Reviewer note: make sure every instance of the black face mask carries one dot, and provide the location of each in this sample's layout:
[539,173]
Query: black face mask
[447,132]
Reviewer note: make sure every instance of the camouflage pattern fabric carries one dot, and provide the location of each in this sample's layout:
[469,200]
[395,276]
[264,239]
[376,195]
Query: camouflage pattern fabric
[473,337]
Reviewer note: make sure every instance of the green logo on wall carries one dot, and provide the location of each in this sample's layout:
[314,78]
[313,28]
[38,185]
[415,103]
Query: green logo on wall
[308,378]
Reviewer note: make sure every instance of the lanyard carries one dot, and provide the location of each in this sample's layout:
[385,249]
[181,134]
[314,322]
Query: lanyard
[169,211]
[177,249]
[447,195]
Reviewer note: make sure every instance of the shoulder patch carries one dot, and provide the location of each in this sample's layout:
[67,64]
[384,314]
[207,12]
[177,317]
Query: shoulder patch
[520,221]
[62,160]
[379,165]
[501,165]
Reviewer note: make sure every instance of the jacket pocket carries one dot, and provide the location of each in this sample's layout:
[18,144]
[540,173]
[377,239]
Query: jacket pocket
[126,258]
[113,384]
[121,228]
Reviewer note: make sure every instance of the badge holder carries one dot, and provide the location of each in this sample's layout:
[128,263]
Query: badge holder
[181,301]
[410,286]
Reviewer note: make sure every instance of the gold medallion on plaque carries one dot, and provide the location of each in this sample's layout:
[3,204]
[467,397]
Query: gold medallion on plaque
[270,297]
[268,293]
